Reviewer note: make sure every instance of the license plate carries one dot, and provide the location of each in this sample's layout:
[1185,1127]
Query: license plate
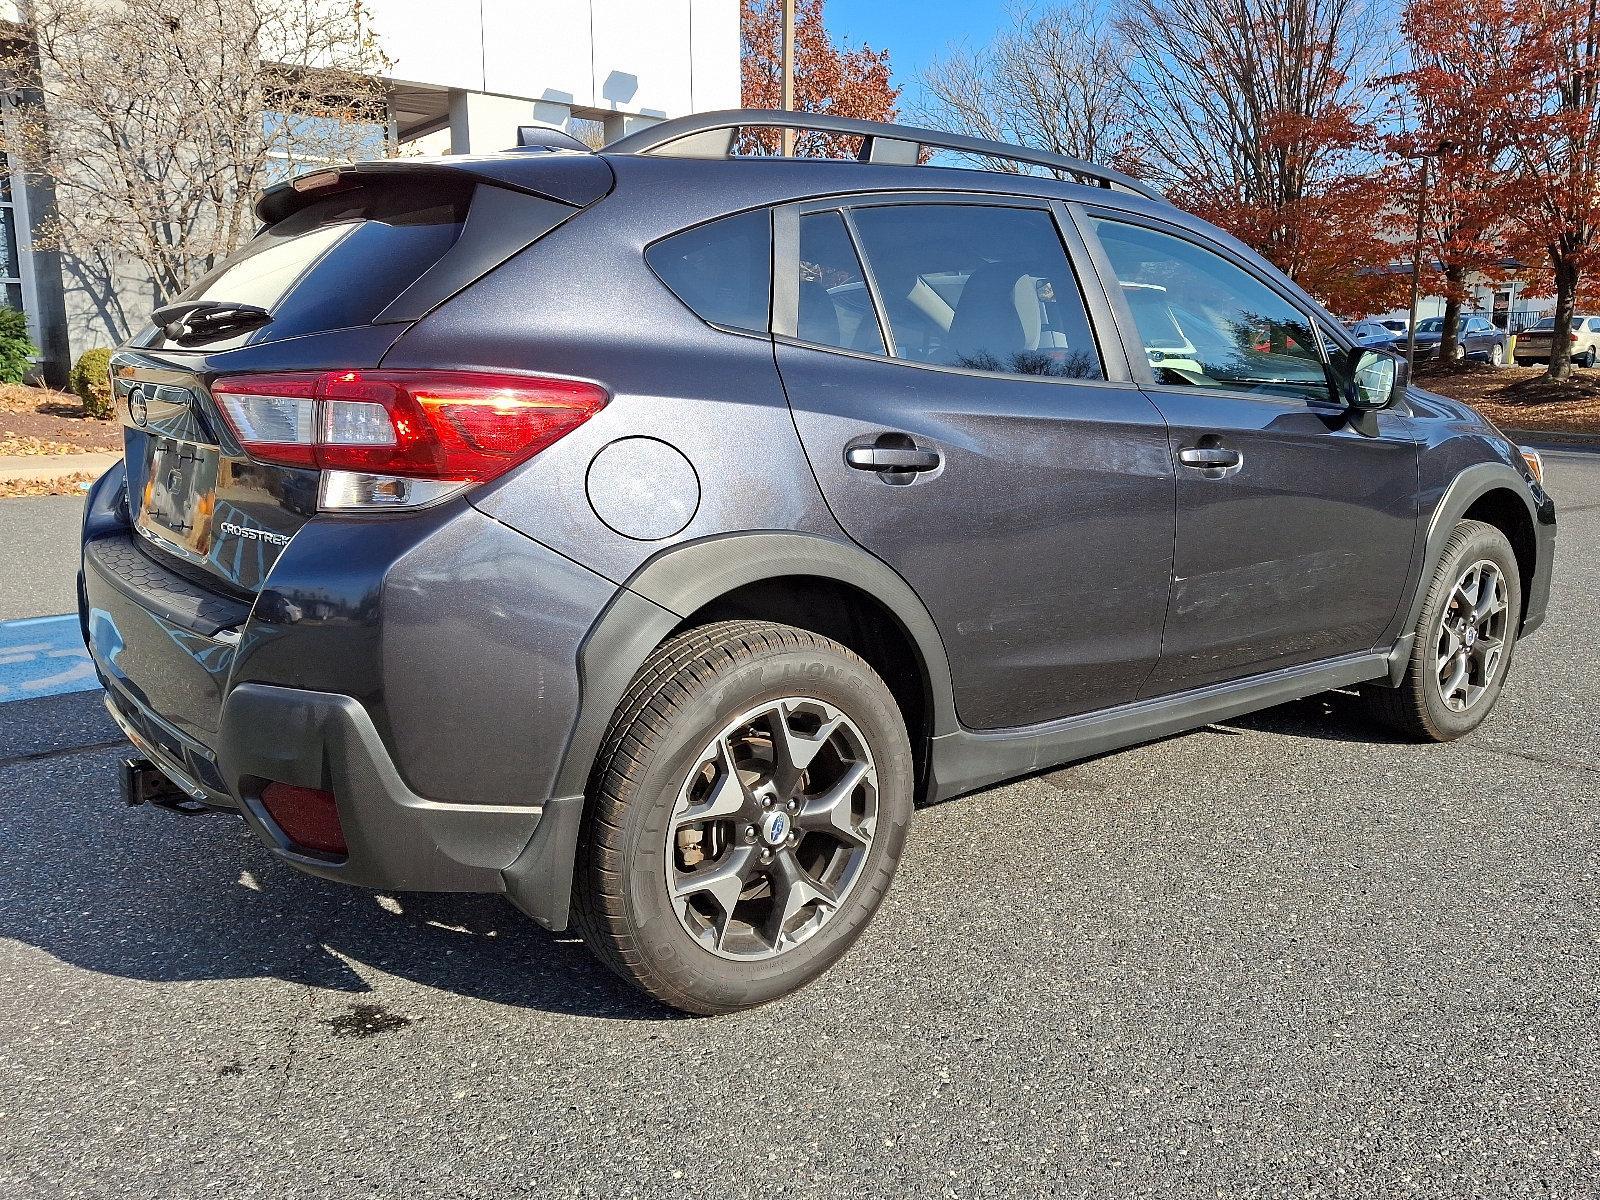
[180,494]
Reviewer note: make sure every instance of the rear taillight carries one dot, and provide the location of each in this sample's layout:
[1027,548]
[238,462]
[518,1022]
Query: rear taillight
[390,439]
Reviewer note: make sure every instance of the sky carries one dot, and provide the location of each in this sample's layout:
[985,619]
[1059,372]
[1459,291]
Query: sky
[913,31]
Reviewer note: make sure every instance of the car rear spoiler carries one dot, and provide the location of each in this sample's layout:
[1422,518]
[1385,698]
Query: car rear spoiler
[565,176]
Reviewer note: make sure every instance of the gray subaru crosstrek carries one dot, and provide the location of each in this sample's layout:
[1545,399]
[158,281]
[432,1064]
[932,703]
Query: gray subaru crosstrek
[642,534]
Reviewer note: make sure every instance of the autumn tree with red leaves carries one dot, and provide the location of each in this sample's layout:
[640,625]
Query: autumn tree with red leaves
[1258,115]
[1533,67]
[1468,222]
[841,83]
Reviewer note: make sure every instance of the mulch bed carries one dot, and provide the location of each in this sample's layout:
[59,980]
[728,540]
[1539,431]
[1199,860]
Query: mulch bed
[66,485]
[42,421]
[1520,397]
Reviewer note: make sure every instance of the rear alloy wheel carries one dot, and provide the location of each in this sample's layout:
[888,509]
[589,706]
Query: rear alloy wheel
[1497,355]
[745,818]
[1586,359]
[772,828]
[1464,639]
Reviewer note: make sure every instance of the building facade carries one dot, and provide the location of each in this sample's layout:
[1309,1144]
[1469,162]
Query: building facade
[464,74]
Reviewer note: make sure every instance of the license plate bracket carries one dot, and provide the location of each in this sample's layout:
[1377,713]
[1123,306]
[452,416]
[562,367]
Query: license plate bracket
[180,493]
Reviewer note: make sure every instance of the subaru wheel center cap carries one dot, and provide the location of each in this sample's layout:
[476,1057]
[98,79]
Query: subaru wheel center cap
[775,827]
[1469,636]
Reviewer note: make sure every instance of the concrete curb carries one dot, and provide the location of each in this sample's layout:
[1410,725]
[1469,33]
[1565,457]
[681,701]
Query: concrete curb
[1548,439]
[16,468]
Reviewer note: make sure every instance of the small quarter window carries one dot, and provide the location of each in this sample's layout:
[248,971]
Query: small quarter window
[835,305]
[722,270]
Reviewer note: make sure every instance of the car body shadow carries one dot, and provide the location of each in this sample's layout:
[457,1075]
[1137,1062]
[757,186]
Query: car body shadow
[1329,716]
[152,895]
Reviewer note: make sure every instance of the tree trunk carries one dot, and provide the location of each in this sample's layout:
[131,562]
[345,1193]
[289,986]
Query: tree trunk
[1451,333]
[1566,297]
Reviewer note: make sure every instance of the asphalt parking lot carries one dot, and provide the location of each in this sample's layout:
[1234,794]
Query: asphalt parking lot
[1284,955]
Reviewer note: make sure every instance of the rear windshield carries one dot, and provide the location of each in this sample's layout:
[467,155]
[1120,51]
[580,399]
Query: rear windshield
[339,261]
[1549,323]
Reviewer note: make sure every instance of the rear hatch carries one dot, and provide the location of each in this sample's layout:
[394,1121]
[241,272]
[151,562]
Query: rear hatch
[347,261]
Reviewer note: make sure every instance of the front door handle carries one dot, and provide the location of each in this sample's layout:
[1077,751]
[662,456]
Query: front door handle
[892,458]
[1204,457]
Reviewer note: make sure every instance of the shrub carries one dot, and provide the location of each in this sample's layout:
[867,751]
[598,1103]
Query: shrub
[91,379]
[16,350]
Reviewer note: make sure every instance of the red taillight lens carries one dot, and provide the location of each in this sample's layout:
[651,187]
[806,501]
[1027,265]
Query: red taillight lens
[457,425]
[308,816]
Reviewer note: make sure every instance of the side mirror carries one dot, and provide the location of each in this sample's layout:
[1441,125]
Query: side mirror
[1374,379]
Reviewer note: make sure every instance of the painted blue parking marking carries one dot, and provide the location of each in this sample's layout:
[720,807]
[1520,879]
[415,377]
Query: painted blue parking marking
[43,656]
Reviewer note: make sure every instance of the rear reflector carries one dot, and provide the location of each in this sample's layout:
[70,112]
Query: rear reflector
[307,816]
[460,426]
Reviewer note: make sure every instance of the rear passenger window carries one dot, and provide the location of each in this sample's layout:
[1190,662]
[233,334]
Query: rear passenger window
[985,289]
[722,270]
[835,306]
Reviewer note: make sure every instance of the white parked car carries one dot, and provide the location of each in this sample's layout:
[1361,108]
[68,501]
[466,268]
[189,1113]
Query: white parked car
[1533,343]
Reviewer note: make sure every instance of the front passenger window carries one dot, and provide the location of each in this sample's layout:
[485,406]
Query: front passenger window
[1206,323]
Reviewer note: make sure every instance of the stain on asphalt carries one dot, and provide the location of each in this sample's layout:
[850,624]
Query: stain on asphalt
[366,1020]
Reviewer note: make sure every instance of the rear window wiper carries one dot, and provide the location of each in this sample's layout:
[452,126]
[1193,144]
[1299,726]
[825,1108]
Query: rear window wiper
[191,319]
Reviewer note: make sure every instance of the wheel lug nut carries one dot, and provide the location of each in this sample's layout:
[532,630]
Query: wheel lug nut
[793,805]
[766,802]
[750,831]
[766,856]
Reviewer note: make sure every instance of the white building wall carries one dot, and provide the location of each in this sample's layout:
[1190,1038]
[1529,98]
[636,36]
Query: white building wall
[628,60]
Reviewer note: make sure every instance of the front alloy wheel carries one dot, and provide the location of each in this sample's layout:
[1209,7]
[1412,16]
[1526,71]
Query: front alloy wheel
[1463,640]
[771,828]
[1472,636]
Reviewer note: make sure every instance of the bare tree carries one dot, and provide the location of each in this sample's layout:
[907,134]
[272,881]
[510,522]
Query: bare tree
[159,120]
[1055,81]
[1259,114]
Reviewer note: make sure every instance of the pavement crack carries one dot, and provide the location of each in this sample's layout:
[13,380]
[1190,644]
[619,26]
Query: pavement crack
[1547,760]
[61,752]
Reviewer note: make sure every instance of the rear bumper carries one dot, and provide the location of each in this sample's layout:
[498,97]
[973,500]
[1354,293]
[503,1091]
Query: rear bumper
[225,696]
[397,839]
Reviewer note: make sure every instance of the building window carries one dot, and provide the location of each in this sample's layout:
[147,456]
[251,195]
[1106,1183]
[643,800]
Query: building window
[10,255]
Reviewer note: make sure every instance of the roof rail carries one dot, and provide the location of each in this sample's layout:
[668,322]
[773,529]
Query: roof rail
[715,134]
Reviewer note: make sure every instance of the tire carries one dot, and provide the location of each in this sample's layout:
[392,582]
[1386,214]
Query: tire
[1497,355]
[1586,359]
[1459,353]
[1425,707]
[1524,362]
[704,700]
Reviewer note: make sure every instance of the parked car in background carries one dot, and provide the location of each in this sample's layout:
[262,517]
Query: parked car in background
[1477,338]
[1533,344]
[1375,333]
[1392,324]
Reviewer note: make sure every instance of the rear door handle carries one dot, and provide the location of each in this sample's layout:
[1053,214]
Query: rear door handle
[1209,456]
[892,458]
